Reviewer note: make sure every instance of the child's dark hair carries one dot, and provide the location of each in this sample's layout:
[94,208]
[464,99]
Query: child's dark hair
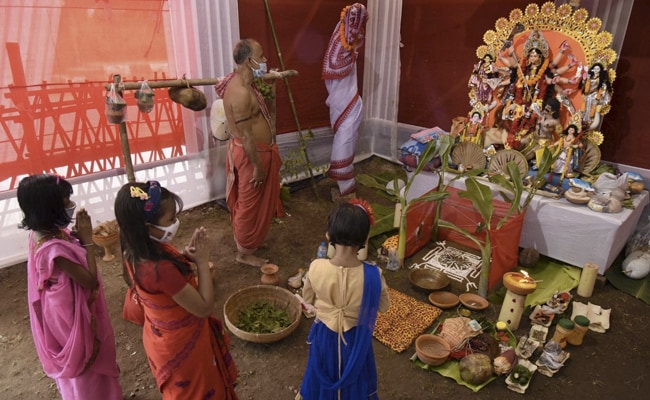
[132,219]
[348,225]
[41,197]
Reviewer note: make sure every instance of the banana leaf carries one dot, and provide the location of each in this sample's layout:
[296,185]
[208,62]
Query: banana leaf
[383,219]
[481,197]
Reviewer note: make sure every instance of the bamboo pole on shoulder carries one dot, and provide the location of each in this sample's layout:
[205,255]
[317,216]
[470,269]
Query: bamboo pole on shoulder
[169,83]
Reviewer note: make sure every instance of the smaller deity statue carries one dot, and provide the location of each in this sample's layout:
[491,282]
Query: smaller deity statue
[547,131]
[597,92]
[486,79]
[473,130]
[570,148]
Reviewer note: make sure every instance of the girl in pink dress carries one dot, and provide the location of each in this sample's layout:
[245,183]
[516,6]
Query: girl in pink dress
[67,309]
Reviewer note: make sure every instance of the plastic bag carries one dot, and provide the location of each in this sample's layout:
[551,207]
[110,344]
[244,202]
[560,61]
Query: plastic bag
[637,255]
[611,185]
[144,97]
[115,106]
[640,241]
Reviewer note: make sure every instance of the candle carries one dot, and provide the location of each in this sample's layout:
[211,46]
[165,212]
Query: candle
[587,279]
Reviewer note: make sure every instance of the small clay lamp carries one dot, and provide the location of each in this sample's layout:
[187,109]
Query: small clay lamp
[518,285]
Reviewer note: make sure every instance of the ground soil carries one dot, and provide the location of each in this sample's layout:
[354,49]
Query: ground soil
[606,366]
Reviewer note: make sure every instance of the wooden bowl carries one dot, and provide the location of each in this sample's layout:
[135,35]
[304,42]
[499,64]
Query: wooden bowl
[244,298]
[473,301]
[432,349]
[443,299]
[428,278]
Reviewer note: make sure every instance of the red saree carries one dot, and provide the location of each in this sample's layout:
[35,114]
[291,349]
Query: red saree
[188,355]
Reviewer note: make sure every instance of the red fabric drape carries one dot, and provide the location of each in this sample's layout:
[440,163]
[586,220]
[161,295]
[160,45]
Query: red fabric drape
[504,241]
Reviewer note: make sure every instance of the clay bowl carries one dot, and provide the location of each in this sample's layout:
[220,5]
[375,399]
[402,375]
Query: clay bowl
[428,279]
[443,299]
[473,301]
[106,240]
[432,349]
[518,283]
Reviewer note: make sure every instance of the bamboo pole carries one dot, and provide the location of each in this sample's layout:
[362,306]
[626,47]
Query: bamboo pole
[198,82]
[303,145]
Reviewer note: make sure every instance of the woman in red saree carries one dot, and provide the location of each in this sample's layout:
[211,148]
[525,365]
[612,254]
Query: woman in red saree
[186,346]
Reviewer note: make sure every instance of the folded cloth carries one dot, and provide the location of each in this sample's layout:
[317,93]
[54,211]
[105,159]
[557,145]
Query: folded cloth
[412,149]
[410,153]
[426,135]
[598,316]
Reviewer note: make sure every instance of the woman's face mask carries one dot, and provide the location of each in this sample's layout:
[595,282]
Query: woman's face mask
[168,232]
[260,71]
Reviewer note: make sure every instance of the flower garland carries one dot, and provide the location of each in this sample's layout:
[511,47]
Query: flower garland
[344,42]
[532,81]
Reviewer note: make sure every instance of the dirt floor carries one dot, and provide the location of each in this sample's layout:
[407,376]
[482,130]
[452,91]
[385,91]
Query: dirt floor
[606,366]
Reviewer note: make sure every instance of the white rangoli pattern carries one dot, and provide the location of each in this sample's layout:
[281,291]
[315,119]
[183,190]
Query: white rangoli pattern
[459,265]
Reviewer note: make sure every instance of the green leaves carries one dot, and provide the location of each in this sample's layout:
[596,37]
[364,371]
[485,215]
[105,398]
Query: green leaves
[481,197]
[383,219]
[263,317]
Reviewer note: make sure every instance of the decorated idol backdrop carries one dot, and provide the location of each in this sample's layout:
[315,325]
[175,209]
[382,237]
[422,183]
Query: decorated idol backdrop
[439,54]
[543,78]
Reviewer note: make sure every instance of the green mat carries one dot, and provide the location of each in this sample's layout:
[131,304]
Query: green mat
[639,288]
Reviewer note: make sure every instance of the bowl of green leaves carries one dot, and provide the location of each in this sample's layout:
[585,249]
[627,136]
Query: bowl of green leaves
[262,313]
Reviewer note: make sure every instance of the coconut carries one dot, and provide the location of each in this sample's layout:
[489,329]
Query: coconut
[503,364]
[476,368]
[528,257]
